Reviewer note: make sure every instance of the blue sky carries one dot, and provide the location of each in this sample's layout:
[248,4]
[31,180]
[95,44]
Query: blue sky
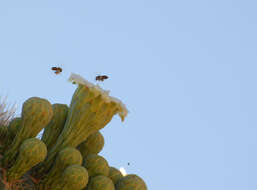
[185,69]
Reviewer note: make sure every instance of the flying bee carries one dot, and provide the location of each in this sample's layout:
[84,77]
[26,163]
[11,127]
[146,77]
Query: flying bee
[57,70]
[101,77]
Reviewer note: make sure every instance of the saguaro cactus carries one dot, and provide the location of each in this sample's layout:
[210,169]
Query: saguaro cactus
[54,162]
[90,110]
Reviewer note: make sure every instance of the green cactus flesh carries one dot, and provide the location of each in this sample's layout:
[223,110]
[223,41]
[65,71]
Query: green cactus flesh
[114,174]
[66,157]
[55,126]
[27,165]
[36,114]
[129,182]
[93,144]
[96,165]
[100,182]
[88,113]
[31,152]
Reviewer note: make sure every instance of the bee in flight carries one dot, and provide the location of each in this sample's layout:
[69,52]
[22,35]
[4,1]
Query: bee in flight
[101,77]
[57,70]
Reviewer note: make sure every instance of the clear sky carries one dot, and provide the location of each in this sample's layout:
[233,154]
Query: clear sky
[185,69]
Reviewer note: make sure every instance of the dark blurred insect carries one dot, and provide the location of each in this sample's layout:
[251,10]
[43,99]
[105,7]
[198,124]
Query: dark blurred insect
[101,77]
[128,163]
[57,70]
